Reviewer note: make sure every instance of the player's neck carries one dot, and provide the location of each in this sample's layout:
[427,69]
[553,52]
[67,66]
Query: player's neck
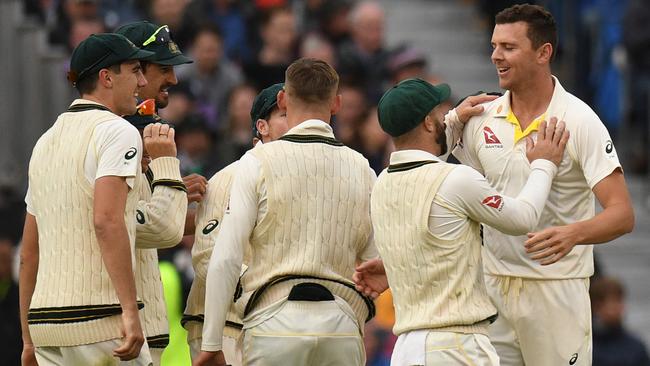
[532,100]
[418,145]
[97,97]
[298,116]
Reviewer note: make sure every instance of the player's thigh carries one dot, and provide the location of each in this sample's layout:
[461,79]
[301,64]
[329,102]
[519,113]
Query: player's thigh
[48,356]
[556,327]
[449,348]
[101,354]
[305,333]
[156,355]
[231,351]
[195,347]
[502,332]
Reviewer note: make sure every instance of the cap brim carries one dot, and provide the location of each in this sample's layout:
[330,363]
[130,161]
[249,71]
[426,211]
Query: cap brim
[141,55]
[173,61]
[445,91]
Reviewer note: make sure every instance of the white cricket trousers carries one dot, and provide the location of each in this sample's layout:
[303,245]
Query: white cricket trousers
[94,354]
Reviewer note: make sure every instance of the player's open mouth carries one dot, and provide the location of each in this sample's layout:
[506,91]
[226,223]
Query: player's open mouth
[502,70]
[164,92]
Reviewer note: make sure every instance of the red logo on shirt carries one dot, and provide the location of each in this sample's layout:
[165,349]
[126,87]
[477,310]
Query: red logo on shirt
[490,137]
[493,201]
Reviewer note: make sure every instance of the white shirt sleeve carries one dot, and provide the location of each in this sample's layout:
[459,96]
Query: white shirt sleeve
[118,150]
[453,131]
[225,266]
[592,148]
[28,202]
[467,191]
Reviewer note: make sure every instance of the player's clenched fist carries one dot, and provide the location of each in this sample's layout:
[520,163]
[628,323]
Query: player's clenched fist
[196,186]
[159,140]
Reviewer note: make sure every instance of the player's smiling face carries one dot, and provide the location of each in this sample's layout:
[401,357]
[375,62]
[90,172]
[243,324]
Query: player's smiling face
[126,86]
[513,54]
[159,79]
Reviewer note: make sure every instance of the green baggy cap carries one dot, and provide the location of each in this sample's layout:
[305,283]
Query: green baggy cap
[158,40]
[264,103]
[100,51]
[405,105]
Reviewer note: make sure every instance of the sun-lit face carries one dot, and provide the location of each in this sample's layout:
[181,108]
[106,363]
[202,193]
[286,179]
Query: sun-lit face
[126,87]
[159,79]
[513,55]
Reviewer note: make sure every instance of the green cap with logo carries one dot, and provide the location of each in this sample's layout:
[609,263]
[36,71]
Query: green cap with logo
[156,39]
[406,104]
[264,103]
[100,51]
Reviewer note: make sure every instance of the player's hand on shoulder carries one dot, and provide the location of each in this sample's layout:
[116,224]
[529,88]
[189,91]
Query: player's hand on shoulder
[196,187]
[472,106]
[370,278]
[159,141]
[210,359]
[28,357]
[552,138]
[551,244]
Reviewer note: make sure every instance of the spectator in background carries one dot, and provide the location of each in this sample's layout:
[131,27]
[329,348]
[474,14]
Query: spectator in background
[168,12]
[407,62]
[313,45]
[67,12]
[181,104]
[82,29]
[636,37]
[10,336]
[278,35]
[195,144]
[228,16]
[211,77]
[348,121]
[364,59]
[236,139]
[376,145]
[613,344]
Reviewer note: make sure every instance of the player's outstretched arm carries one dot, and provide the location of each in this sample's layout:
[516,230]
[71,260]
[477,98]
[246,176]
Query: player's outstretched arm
[370,278]
[617,218]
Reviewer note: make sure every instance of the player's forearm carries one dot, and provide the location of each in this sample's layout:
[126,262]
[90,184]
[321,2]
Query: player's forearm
[113,241]
[28,272]
[161,221]
[454,129]
[609,224]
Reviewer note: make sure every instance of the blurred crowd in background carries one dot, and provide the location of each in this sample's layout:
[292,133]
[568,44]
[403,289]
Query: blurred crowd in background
[240,47]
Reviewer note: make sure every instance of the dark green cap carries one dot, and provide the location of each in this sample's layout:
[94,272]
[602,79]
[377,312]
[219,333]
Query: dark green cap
[405,105]
[100,51]
[158,40]
[264,103]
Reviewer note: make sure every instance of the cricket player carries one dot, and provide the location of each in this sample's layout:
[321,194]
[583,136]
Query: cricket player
[303,204]
[77,294]
[426,218]
[269,124]
[162,206]
[539,282]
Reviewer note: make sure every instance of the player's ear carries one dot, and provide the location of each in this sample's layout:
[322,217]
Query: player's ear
[429,123]
[105,78]
[262,127]
[336,104]
[545,53]
[282,100]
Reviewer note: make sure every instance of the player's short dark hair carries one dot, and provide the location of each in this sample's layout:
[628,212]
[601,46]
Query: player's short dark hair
[311,81]
[88,84]
[541,25]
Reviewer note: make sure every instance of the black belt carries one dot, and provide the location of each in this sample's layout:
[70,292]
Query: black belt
[305,291]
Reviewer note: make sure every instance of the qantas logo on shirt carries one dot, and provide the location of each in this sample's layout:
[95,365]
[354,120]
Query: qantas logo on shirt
[494,202]
[491,139]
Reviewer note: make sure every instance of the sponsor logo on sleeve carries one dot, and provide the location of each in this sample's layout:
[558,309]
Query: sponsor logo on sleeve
[139,216]
[574,359]
[494,202]
[131,153]
[609,147]
[212,224]
[491,139]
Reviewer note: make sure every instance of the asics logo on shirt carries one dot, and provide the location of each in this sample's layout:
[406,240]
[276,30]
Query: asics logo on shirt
[210,226]
[491,138]
[494,202]
[131,153]
[574,359]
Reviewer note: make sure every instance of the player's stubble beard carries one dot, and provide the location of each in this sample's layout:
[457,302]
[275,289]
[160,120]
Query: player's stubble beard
[441,138]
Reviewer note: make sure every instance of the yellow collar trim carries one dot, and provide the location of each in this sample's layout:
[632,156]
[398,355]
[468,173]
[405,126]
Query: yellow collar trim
[519,134]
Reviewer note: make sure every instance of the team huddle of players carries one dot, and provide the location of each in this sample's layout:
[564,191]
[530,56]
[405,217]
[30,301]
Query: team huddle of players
[488,261]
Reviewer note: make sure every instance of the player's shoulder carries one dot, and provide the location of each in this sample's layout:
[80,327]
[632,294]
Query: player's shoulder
[578,112]
[116,126]
[227,171]
[461,174]
[490,109]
